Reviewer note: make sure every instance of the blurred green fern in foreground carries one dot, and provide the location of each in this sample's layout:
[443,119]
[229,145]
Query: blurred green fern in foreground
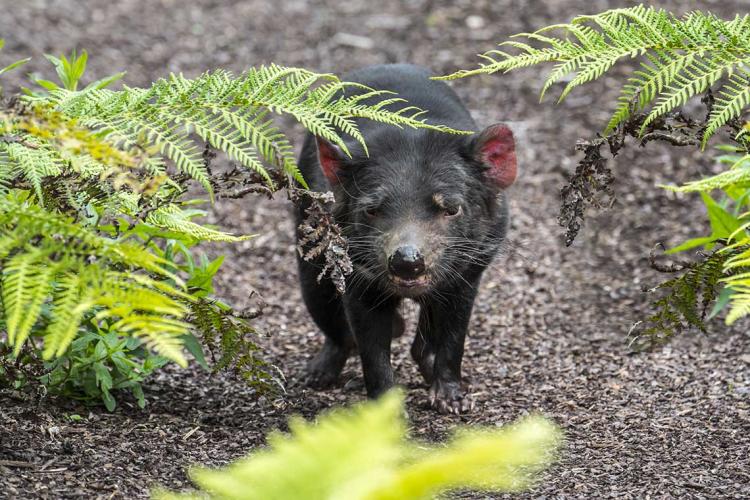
[363,453]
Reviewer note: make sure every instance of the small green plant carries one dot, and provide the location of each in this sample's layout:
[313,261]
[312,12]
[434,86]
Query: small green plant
[363,453]
[99,280]
[70,71]
[100,362]
[679,58]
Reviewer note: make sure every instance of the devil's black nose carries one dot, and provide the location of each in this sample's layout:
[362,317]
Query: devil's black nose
[406,262]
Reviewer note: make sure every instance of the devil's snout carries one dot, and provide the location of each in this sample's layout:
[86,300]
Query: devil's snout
[406,262]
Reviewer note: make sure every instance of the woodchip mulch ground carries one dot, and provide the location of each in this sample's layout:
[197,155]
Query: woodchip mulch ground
[548,333]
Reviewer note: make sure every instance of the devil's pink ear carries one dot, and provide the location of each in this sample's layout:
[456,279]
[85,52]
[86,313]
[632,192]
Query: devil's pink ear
[496,149]
[330,158]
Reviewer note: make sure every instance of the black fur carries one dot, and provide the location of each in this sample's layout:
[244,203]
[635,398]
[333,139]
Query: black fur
[410,187]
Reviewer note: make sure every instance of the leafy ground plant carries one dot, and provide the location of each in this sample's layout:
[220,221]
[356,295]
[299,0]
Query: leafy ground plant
[99,278]
[679,58]
[363,453]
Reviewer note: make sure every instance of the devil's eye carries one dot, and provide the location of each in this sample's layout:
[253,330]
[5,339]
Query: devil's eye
[446,207]
[452,211]
[372,211]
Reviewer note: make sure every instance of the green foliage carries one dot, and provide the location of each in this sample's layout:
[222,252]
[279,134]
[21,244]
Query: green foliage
[70,71]
[679,58]
[100,362]
[685,300]
[362,453]
[231,113]
[722,276]
[97,223]
[736,175]
[78,270]
[723,225]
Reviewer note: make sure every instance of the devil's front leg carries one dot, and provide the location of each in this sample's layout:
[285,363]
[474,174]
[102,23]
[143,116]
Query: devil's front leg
[444,321]
[372,322]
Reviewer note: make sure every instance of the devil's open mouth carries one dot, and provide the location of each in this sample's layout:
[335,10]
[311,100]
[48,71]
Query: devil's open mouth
[411,286]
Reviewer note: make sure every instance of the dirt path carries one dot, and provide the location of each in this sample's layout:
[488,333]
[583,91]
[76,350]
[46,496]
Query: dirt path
[549,327]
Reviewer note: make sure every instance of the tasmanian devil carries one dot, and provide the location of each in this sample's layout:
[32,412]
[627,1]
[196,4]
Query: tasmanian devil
[425,213]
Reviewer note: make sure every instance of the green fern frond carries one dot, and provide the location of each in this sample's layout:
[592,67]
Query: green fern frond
[25,282]
[131,254]
[34,162]
[9,241]
[731,101]
[33,220]
[223,136]
[743,136]
[590,69]
[363,454]
[39,285]
[230,341]
[737,276]
[173,218]
[651,81]
[255,129]
[59,269]
[84,164]
[740,306]
[739,172]
[161,334]
[69,305]
[6,171]
[122,295]
[694,79]
[684,57]
[229,112]
[171,141]
[684,302]
[402,116]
